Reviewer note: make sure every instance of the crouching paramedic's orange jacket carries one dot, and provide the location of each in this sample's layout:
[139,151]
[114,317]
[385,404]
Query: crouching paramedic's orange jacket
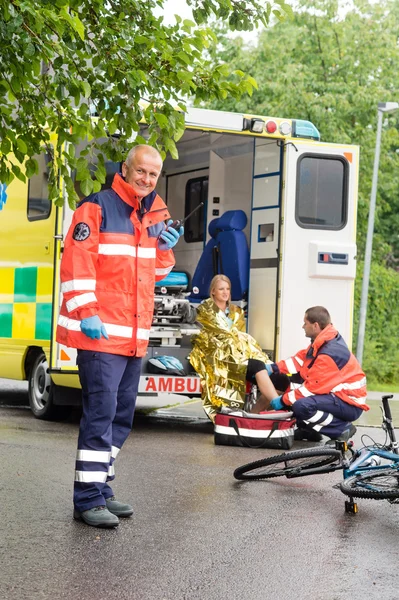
[109,266]
[326,366]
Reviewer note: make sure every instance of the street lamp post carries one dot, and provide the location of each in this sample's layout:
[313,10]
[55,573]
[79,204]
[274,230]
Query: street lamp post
[383,107]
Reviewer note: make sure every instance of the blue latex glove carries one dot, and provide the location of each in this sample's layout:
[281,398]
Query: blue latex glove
[93,328]
[269,369]
[169,237]
[276,403]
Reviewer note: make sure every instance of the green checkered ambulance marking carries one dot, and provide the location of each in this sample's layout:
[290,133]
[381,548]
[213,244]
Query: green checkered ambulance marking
[26,302]
[25,284]
[6,320]
[43,321]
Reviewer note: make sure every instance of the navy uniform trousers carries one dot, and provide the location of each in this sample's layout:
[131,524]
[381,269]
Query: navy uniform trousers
[109,391]
[325,413]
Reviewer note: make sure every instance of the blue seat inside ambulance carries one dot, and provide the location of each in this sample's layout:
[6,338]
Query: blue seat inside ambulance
[226,252]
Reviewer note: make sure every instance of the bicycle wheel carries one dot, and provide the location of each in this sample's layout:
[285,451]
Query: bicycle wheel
[376,485]
[289,464]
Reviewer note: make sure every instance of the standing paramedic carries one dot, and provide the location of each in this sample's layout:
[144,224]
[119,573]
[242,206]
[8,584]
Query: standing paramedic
[333,391]
[115,250]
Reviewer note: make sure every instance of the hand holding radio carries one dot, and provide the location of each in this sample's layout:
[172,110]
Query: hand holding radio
[169,237]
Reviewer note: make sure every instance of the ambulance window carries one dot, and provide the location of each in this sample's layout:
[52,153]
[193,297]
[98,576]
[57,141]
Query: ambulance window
[39,205]
[322,192]
[196,192]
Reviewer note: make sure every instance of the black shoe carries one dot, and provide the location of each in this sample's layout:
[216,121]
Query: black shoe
[301,435]
[347,434]
[120,509]
[99,516]
[344,437]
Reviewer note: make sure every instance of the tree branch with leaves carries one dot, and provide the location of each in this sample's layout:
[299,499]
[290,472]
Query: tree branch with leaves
[89,69]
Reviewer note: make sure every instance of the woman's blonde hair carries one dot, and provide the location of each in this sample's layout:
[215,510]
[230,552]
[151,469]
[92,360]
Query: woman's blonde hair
[215,281]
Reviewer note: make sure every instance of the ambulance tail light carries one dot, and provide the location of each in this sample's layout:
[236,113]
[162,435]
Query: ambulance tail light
[304,129]
[271,126]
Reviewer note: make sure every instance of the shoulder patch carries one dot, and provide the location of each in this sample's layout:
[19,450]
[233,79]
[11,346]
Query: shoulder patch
[81,232]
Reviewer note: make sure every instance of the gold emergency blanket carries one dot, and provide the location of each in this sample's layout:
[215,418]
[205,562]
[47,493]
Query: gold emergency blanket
[220,355]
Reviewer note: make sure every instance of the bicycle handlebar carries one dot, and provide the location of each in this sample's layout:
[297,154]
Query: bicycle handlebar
[387,408]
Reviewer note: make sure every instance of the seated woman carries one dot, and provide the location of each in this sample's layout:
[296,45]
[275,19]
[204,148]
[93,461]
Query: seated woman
[226,357]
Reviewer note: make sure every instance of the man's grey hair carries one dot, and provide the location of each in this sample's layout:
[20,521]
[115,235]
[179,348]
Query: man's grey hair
[142,148]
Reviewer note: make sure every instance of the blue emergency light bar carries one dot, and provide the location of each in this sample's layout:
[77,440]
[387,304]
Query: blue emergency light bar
[304,129]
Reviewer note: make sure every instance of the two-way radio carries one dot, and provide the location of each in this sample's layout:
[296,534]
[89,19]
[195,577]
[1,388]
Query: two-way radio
[179,222]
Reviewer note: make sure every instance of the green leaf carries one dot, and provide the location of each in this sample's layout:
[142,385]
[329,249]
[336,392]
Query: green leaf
[252,81]
[184,57]
[171,147]
[86,186]
[161,119]
[31,167]
[86,89]
[22,147]
[18,173]
[5,146]
[188,24]
[15,85]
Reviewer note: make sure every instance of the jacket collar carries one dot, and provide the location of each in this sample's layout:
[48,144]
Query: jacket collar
[125,191]
[327,334]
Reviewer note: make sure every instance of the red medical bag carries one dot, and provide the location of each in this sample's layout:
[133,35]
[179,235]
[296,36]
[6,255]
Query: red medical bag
[271,429]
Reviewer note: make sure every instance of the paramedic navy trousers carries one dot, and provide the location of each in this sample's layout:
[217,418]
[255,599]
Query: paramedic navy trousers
[109,391]
[325,413]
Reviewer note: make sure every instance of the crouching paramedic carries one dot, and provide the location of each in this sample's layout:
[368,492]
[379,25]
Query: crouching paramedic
[333,391]
[115,250]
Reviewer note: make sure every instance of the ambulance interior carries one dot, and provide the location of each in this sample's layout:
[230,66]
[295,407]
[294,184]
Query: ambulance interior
[241,199]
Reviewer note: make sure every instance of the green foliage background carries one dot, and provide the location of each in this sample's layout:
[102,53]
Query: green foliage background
[64,61]
[333,67]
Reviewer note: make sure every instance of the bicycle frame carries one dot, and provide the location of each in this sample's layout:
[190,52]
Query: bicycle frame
[357,464]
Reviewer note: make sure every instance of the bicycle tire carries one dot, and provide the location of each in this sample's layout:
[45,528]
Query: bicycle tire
[301,459]
[374,485]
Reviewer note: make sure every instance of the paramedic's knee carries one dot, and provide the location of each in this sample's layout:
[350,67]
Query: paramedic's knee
[305,408]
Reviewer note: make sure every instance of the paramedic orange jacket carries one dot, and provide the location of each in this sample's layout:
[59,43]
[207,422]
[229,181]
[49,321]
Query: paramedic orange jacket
[109,267]
[326,366]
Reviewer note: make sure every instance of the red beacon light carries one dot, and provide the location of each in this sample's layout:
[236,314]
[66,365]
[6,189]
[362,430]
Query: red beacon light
[271,126]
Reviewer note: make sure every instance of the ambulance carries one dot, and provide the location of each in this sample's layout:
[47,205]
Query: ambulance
[278,216]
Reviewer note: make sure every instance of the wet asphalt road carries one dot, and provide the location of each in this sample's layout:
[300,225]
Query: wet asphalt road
[196,532]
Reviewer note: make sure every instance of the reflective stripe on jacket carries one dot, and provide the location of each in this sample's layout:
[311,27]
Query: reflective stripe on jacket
[326,366]
[109,267]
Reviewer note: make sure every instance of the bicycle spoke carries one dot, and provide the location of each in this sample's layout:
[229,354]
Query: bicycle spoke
[381,482]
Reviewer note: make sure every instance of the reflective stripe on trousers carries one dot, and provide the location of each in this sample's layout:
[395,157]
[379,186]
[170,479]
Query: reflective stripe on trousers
[325,413]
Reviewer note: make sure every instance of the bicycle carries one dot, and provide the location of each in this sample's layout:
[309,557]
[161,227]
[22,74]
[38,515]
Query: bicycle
[365,476]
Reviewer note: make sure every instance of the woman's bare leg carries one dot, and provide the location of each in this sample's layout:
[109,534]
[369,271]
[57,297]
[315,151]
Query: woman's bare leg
[260,405]
[267,390]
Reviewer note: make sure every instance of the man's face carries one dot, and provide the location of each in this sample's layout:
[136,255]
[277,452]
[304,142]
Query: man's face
[142,173]
[311,330]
